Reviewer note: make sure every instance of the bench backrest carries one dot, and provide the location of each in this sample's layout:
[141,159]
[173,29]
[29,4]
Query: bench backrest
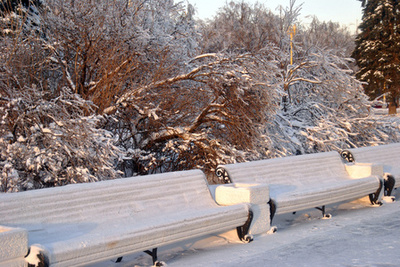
[310,169]
[387,155]
[137,197]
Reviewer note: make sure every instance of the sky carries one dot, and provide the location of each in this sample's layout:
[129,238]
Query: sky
[346,12]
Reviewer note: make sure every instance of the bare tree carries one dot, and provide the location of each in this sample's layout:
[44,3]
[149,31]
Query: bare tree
[196,119]
[241,27]
[327,35]
[102,48]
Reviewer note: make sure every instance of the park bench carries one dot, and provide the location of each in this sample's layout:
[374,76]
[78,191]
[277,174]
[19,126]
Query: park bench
[82,224]
[386,155]
[302,182]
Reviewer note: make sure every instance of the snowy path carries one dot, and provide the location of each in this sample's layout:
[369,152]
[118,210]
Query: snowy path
[357,235]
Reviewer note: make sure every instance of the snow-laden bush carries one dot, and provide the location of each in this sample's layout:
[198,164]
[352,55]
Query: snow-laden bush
[18,17]
[100,49]
[47,142]
[325,109]
[196,119]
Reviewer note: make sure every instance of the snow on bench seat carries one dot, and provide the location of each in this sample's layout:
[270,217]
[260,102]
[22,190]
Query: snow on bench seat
[82,224]
[13,246]
[386,155]
[302,182]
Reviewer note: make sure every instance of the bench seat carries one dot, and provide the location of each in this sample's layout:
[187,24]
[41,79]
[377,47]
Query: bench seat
[83,224]
[93,242]
[298,199]
[302,182]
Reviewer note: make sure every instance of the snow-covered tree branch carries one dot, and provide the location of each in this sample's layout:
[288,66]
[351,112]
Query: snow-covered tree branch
[49,142]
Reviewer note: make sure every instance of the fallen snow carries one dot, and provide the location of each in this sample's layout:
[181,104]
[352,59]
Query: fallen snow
[358,234]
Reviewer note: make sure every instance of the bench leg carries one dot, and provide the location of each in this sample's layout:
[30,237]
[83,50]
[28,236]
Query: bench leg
[389,184]
[243,230]
[153,254]
[324,214]
[38,260]
[374,198]
[272,210]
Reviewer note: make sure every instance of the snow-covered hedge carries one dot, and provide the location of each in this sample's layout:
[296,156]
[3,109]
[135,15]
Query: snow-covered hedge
[48,142]
[325,109]
[196,119]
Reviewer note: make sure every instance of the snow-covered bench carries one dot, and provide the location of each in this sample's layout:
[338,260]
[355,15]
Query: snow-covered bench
[13,246]
[82,224]
[386,155]
[302,182]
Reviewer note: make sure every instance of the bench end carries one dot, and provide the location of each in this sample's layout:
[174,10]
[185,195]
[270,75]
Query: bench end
[223,175]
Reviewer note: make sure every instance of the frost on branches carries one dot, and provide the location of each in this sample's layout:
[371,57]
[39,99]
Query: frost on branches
[19,16]
[324,109]
[196,119]
[100,49]
[47,142]
[139,86]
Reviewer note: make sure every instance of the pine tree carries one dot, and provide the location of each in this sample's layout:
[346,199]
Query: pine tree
[377,50]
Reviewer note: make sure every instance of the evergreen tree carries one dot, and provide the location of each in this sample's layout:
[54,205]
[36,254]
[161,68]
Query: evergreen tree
[377,50]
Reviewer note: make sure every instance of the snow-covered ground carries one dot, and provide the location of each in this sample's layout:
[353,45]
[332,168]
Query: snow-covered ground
[357,235]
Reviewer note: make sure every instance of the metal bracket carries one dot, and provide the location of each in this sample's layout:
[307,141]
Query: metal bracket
[243,230]
[389,183]
[324,214]
[153,254]
[374,197]
[272,209]
[347,156]
[223,175]
[43,261]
